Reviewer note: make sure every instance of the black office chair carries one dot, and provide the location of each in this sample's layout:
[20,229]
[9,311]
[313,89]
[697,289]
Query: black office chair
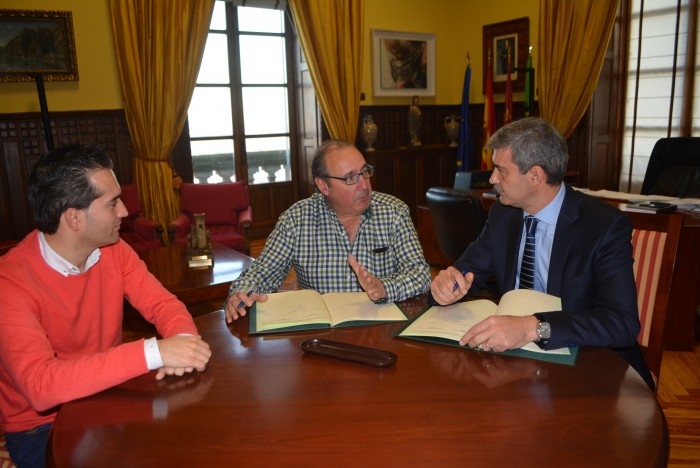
[674,168]
[458,217]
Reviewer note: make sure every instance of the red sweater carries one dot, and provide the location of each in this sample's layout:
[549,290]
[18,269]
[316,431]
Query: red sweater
[60,337]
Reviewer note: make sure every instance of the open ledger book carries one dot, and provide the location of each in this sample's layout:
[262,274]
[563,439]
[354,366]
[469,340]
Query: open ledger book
[310,310]
[447,325]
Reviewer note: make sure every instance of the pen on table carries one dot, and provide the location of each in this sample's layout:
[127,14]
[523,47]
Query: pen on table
[456,286]
[241,304]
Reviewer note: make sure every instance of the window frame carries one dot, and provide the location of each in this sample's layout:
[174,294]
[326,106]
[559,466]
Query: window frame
[235,85]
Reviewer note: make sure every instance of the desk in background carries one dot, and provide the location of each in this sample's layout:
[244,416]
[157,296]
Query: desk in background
[263,402]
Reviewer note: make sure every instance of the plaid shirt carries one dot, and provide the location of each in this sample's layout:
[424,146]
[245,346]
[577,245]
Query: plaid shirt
[309,237]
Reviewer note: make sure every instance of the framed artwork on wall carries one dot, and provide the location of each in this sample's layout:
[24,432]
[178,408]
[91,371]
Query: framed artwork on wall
[403,63]
[37,42]
[497,39]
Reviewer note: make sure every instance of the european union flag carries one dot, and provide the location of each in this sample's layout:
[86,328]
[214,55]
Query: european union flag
[465,149]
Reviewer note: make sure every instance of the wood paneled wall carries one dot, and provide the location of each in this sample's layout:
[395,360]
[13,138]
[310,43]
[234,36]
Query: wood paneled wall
[22,142]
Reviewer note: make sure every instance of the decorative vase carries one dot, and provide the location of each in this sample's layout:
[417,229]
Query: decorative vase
[452,128]
[369,132]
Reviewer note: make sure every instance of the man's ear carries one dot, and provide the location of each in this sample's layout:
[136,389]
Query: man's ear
[73,218]
[321,185]
[537,175]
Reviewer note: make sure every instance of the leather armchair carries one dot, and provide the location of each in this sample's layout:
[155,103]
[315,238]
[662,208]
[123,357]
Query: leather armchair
[674,168]
[458,217]
[138,231]
[227,211]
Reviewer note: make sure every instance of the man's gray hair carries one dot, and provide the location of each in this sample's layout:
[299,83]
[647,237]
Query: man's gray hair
[534,142]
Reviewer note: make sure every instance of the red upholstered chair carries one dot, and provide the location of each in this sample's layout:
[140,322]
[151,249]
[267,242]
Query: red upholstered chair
[227,211]
[137,230]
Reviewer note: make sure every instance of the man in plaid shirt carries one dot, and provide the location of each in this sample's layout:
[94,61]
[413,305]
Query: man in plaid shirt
[343,238]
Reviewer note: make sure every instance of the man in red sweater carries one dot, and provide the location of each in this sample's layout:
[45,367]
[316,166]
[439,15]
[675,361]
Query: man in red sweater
[61,303]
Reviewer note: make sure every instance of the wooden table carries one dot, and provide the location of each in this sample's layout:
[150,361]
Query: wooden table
[263,402]
[169,264]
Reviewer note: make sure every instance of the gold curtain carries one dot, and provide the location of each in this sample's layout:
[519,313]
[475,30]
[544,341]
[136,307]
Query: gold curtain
[159,47]
[330,33]
[573,40]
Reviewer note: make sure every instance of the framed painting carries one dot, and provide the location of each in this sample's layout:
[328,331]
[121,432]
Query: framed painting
[403,63]
[513,35]
[37,42]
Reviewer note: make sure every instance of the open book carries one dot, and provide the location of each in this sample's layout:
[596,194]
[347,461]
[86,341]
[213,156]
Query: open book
[310,310]
[447,325]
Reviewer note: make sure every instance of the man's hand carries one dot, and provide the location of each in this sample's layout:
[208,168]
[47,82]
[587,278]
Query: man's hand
[443,286]
[372,286]
[182,354]
[237,303]
[501,332]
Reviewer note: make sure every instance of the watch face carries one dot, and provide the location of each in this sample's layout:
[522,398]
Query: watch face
[543,330]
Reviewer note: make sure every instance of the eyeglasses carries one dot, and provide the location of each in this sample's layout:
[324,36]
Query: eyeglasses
[355,178]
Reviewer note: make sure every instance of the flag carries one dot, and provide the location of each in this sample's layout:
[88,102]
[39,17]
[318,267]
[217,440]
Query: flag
[508,115]
[528,104]
[489,118]
[465,149]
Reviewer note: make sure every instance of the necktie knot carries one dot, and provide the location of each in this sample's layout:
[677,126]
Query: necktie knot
[530,225]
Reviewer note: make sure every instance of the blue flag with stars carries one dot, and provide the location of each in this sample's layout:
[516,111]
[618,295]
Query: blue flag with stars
[465,148]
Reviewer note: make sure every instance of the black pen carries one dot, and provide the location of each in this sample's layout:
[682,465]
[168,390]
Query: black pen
[241,304]
[456,286]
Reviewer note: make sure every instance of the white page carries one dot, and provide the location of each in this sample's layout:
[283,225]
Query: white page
[291,308]
[452,321]
[345,307]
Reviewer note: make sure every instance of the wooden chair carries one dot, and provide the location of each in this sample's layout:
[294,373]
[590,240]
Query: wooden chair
[655,242]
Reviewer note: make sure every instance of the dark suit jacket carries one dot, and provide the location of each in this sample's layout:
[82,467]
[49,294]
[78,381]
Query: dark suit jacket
[590,269]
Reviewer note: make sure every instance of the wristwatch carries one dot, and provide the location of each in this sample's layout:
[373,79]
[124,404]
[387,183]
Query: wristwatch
[542,329]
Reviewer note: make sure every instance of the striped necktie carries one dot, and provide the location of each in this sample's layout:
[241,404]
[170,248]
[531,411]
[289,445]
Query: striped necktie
[527,266]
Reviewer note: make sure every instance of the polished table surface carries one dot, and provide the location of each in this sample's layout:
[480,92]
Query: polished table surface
[262,401]
[169,264]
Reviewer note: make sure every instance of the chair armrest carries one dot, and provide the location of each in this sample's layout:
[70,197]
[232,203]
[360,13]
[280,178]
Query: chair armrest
[245,219]
[180,226]
[146,228]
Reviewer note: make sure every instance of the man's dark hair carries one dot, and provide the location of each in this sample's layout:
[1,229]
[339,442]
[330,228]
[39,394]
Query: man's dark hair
[61,180]
[318,164]
[534,142]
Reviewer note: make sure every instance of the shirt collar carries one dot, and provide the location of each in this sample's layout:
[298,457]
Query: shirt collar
[60,264]
[550,213]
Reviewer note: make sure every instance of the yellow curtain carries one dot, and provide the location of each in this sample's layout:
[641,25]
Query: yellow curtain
[330,33]
[159,47]
[573,39]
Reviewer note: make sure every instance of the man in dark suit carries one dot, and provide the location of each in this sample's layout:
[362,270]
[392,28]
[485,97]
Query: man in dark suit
[583,253]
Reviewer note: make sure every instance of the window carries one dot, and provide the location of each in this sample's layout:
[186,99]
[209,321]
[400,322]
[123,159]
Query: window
[239,115]
[655,84]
